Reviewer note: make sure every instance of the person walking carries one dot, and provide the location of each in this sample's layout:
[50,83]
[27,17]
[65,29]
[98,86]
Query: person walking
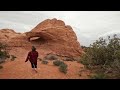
[32,57]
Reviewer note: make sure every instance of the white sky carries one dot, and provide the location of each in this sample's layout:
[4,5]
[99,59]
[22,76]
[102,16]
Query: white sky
[88,25]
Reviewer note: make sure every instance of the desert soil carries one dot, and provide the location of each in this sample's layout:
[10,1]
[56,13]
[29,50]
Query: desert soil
[18,69]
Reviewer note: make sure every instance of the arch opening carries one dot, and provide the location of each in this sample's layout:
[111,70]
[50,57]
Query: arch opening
[37,40]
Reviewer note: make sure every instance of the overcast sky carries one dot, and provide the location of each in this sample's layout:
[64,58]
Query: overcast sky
[88,25]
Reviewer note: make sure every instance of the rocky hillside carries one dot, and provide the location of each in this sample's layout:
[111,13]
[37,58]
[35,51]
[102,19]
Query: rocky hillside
[51,35]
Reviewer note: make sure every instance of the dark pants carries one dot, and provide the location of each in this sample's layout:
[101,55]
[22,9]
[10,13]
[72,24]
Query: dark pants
[33,65]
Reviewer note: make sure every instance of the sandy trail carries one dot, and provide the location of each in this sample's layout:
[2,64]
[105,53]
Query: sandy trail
[18,69]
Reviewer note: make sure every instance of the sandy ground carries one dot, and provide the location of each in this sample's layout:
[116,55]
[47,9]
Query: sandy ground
[18,69]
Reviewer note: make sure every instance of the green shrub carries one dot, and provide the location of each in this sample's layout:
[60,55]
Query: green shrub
[69,59]
[63,68]
[99,76]
[103,55]
[3,52]
[2,62]
[57,62]
[8,56]
[44,62]
[39,59]
[1,67]
[51,57]
[3,46]
[77,58]
[13,57]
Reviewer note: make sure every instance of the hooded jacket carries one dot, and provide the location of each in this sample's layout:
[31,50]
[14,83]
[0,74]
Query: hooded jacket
[32,57]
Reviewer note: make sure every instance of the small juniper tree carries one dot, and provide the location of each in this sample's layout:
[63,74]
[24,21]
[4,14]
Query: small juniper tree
[104,55]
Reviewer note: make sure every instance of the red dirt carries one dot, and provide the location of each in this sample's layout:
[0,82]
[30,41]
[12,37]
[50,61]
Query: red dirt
[18,69]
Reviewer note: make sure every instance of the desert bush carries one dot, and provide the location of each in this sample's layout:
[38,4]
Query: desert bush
[2,62]
[63,68]
[8,56]
[99,76]
[51,57]
[69,59]
[13,57]
[105,54]
[44,62]
[77,58]
[3,52]
[39,59]
[1,67]
[3,46]
[57,62]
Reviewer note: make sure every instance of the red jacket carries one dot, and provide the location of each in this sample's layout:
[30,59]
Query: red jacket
[32,57]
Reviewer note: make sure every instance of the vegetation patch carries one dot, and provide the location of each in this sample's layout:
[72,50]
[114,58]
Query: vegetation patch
[103,57]
[13,57]
[69,59]
[51,57]
[44,62]
[63,68]
[1,67]
[3,52]
[39,59]
[57,62]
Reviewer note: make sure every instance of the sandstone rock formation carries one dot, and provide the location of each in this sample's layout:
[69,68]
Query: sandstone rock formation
[51,35]
[13,39]
[56,36]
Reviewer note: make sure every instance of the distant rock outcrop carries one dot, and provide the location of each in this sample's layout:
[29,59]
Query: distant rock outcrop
[13,39]
[51,34]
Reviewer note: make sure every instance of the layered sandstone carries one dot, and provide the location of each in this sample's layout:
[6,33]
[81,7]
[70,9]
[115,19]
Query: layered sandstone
[57,36]
[51,35]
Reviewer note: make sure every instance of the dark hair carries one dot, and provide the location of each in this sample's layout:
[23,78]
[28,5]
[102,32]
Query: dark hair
[33,48]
